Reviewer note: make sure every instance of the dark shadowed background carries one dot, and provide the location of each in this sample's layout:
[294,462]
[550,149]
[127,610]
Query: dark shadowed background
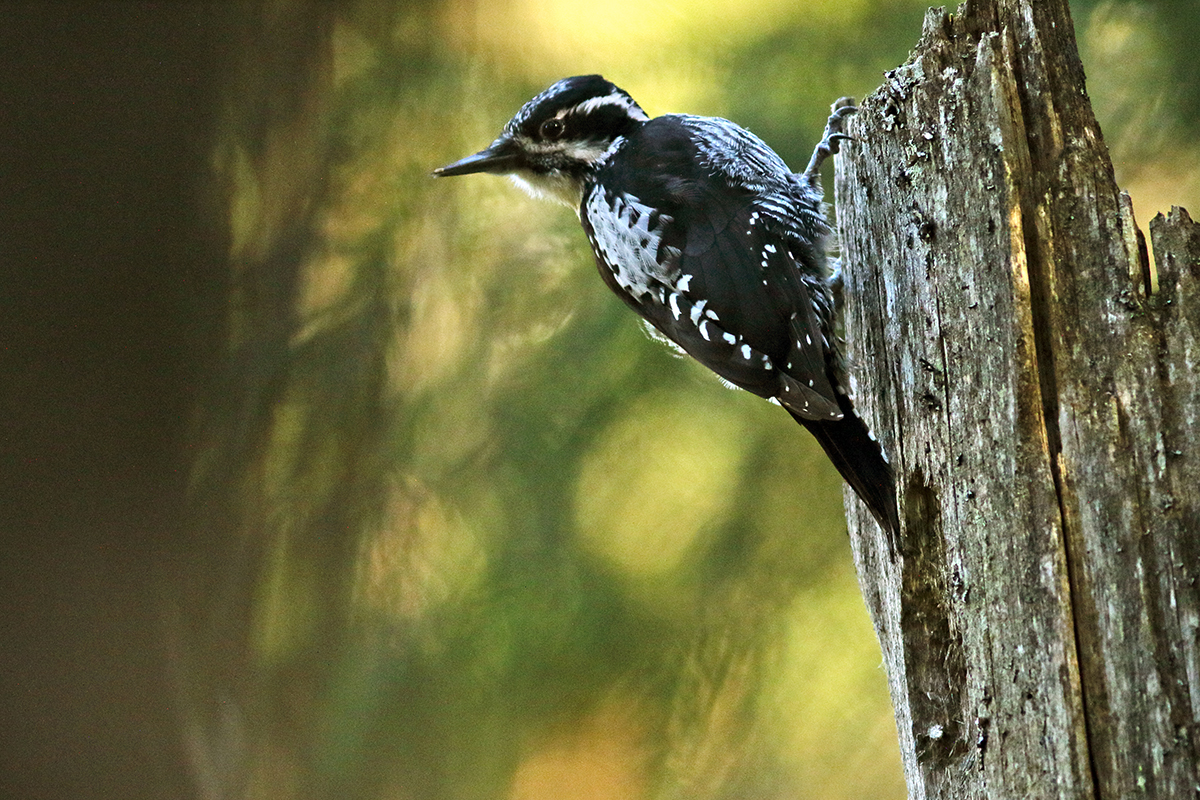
[323,478]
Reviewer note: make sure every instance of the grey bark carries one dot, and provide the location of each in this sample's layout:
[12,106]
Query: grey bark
[1040,401]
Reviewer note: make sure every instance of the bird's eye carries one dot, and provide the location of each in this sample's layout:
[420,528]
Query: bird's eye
[552,128]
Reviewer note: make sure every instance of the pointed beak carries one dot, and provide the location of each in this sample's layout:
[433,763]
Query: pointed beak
[501,157]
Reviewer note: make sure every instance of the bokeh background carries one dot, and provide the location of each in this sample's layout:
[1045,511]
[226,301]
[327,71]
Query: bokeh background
[322,478]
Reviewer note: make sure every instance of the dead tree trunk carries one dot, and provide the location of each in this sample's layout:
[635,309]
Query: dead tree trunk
[1040,400]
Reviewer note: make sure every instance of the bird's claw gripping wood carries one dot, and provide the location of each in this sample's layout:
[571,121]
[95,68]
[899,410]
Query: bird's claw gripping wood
[831,141]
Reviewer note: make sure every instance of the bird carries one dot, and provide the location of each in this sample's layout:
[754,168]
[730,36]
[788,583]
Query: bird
[704,231]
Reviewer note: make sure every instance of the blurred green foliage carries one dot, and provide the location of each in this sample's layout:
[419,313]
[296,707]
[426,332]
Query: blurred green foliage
[485,538]
[1144,82]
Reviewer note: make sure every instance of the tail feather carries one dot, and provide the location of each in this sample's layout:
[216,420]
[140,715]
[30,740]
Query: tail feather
[861,461]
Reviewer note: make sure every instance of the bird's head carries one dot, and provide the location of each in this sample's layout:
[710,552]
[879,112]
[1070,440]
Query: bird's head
[557,137]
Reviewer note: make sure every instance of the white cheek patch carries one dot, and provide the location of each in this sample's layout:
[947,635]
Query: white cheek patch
[587,152]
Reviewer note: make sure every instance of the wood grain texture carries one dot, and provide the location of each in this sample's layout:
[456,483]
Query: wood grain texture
[1039,624]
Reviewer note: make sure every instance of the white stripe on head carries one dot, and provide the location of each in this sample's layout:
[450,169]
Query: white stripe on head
[618,99]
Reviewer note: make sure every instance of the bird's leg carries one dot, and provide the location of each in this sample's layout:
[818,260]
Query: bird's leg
[831,141]
[836,285]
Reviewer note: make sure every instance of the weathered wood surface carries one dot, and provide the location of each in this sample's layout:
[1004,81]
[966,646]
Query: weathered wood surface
[1040,621]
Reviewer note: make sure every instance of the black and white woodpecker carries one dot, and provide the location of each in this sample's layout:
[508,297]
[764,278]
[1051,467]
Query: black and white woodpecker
[703,230]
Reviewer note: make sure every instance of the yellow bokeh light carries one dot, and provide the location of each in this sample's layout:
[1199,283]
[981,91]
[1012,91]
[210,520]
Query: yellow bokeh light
[668,51]
[655,484]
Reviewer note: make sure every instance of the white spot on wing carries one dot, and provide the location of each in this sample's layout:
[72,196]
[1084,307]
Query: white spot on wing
[674,302]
